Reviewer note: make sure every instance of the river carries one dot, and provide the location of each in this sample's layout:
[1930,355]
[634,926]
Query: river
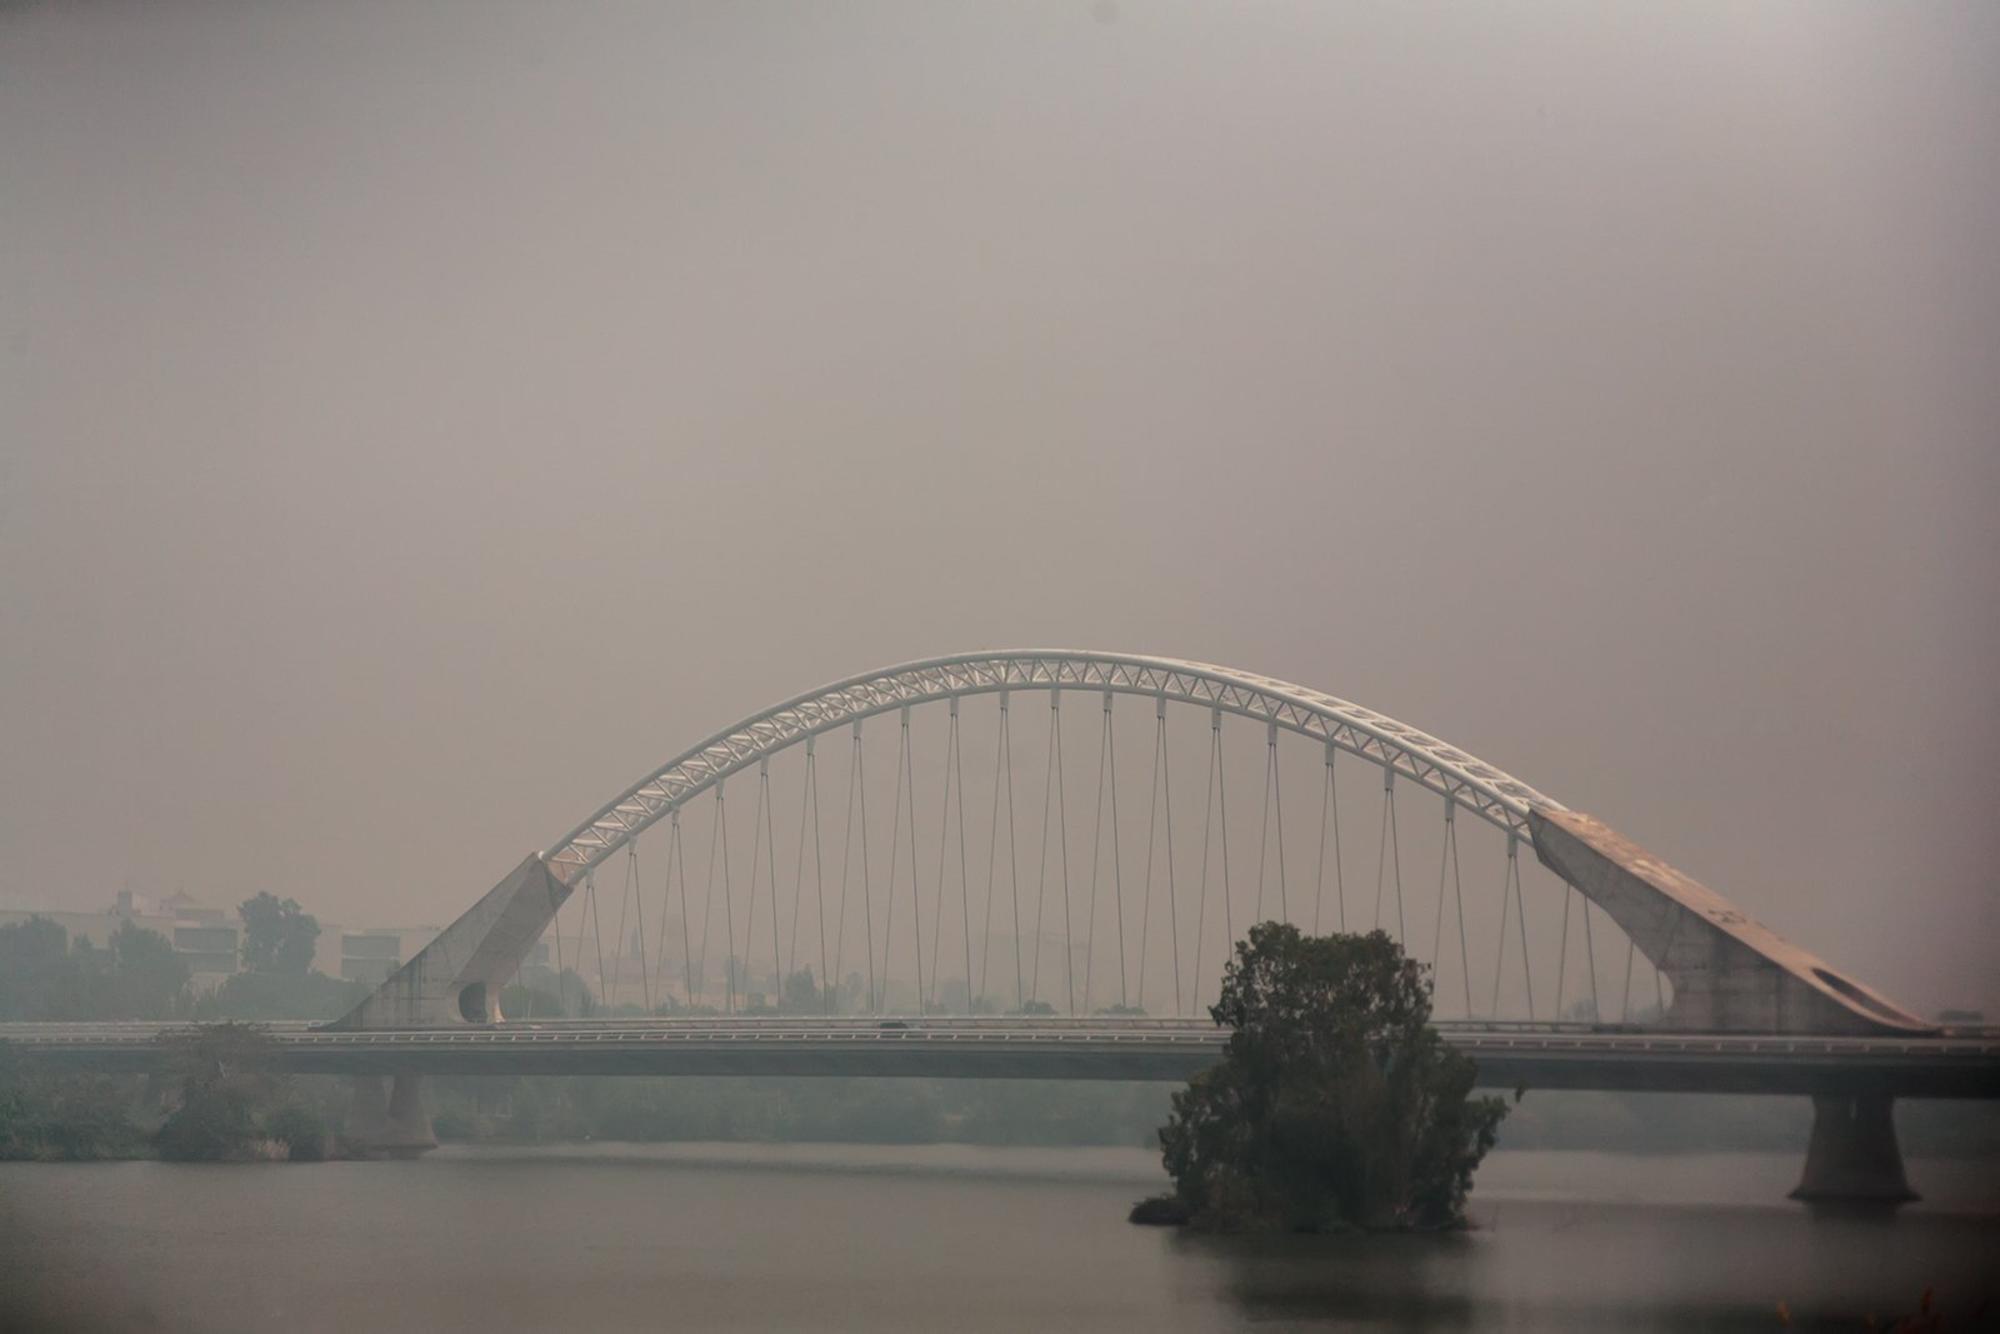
[739,1237]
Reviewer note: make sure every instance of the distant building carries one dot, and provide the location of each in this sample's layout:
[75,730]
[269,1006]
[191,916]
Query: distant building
[210,939]
[207,939]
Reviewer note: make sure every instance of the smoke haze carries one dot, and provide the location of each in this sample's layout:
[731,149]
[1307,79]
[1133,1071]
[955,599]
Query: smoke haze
[416,423]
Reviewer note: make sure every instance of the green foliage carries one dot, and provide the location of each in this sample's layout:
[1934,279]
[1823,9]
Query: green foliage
[278,935]
[46,976]
[232,1102]
[299,1126]
[147,979]
[801,994]
[261,996]
[1336,1104]
[63,1118]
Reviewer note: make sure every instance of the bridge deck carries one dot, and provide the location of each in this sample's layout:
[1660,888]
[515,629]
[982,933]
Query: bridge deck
[1540,1056]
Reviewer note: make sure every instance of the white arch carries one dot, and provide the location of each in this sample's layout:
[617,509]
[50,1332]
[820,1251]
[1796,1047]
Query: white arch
[1494,796]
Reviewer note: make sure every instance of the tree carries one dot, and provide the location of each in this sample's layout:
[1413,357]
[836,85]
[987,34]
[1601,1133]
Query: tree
[1336,1103]
[801,994]
[259,996]
[232,1102]
[39,979]
[278,935]
[149,980]
[46,975]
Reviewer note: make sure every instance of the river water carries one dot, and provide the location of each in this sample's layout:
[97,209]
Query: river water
[736,1237]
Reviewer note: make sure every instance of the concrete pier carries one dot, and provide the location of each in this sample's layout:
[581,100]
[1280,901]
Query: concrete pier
[387,1118]
[1854,1164]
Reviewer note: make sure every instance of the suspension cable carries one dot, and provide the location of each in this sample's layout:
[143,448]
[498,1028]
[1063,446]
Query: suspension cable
[728,908]
[639,938]
[799,869]
[1458,896]
[954,782]
[964,884]
[639,926]
[1264,818]
[1096,854]
[1562,957]
[1448,865]
[757,825]
[1521,917]
[618,941]
[1013,852]
[596,925]
[1000,758]
[926,1003]
[1152,811]
[1625,1003]
[562,1007]
[1042,857]
[708,892]
[857,786]
[771,856]
[1207,824]
[687,939]
[1329,812]
[1506,893]
[1063,829]
[895,859]
[1444,871]
[916,890]
[819,879]
[1222,820]
[1590,955]
[1173,894]
[1382,850]
[1391,854]
[1278,811]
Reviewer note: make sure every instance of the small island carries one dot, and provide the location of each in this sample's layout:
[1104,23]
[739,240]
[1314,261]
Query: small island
[1336,1106]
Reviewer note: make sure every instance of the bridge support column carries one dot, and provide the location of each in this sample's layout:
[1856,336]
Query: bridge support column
[1853,1163]
[386,1118]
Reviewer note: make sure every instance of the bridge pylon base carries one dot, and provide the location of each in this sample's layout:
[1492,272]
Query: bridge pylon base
[386,1118]
[1853,1162]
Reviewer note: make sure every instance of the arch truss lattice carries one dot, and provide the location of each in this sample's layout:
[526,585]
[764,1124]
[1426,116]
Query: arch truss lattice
[1494,796]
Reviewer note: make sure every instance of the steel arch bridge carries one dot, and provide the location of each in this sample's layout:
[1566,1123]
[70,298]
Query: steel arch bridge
[1496,797]
[1727,972]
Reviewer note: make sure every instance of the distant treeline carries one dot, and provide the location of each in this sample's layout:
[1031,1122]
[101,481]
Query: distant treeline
[47,976]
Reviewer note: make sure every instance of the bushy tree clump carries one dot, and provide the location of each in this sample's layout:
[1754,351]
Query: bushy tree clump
[232,1104]
[1336,1104]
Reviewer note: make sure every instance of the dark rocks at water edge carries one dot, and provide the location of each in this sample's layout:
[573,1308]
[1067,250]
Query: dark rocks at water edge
[1161,1211]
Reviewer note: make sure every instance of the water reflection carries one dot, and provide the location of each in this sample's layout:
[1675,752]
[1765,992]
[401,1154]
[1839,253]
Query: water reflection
[888,1238]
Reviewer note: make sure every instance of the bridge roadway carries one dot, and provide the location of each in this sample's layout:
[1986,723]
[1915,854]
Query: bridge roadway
[1537,1056]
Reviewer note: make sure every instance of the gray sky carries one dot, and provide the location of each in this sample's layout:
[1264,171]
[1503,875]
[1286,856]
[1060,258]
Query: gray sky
[418,421]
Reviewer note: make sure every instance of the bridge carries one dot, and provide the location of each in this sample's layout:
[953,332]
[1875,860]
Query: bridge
[1724,1003]
[1539,1056]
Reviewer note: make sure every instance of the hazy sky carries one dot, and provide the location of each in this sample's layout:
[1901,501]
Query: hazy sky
[417,421]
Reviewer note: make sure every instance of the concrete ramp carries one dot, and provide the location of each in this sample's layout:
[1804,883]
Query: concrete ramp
[457,978]
[1730,973]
